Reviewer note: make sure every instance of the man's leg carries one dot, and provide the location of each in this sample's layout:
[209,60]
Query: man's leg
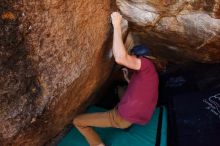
[84,121]
[102,119]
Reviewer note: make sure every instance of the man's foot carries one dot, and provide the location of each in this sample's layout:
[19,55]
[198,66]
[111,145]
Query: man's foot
[102,144]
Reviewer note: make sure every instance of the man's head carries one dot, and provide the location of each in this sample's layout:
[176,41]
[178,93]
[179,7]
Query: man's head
[140,50]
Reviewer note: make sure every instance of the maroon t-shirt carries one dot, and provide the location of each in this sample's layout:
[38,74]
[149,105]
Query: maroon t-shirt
[139,101]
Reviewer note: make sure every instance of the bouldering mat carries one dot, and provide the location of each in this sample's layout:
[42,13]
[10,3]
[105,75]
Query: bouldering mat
[136,135]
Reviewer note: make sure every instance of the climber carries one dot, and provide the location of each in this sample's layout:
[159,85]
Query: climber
[139,100]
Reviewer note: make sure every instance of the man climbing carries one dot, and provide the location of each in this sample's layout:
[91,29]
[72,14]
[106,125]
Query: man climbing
[139,100]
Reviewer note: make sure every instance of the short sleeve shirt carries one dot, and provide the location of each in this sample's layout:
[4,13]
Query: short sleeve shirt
[140,98]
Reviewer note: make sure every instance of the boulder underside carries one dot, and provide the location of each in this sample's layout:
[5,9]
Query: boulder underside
[176,30]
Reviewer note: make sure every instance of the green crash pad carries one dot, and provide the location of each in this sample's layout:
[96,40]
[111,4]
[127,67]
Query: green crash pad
[136,135]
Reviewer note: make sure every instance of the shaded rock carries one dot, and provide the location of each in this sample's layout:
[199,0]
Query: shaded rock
[53,56]
[176,30]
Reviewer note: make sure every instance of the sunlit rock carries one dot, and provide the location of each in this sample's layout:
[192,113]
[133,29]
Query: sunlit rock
[176,30]
[53,55]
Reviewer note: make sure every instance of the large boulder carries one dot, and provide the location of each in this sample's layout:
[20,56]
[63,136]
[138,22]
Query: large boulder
[53,55]
[176,30]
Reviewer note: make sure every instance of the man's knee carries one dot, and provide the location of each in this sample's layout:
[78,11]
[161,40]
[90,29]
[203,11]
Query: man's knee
[77,121]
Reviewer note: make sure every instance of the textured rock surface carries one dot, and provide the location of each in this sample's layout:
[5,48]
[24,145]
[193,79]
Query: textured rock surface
[176,30]
[53,55]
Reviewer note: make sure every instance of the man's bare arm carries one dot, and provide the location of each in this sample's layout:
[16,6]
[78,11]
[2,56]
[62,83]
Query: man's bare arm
[119,51]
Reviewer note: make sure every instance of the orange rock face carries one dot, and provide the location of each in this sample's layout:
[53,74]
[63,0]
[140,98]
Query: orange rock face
[176,30]
[53,55]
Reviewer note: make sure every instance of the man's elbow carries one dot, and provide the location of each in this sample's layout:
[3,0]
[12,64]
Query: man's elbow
[120,60]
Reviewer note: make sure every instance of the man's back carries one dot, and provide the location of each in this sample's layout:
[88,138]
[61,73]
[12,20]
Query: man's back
[139,101]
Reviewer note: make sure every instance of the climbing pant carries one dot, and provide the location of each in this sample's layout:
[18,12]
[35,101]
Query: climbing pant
[85,122]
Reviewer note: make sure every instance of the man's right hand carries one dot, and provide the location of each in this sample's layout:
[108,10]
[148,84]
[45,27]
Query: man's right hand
[116,19]
[125,73]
